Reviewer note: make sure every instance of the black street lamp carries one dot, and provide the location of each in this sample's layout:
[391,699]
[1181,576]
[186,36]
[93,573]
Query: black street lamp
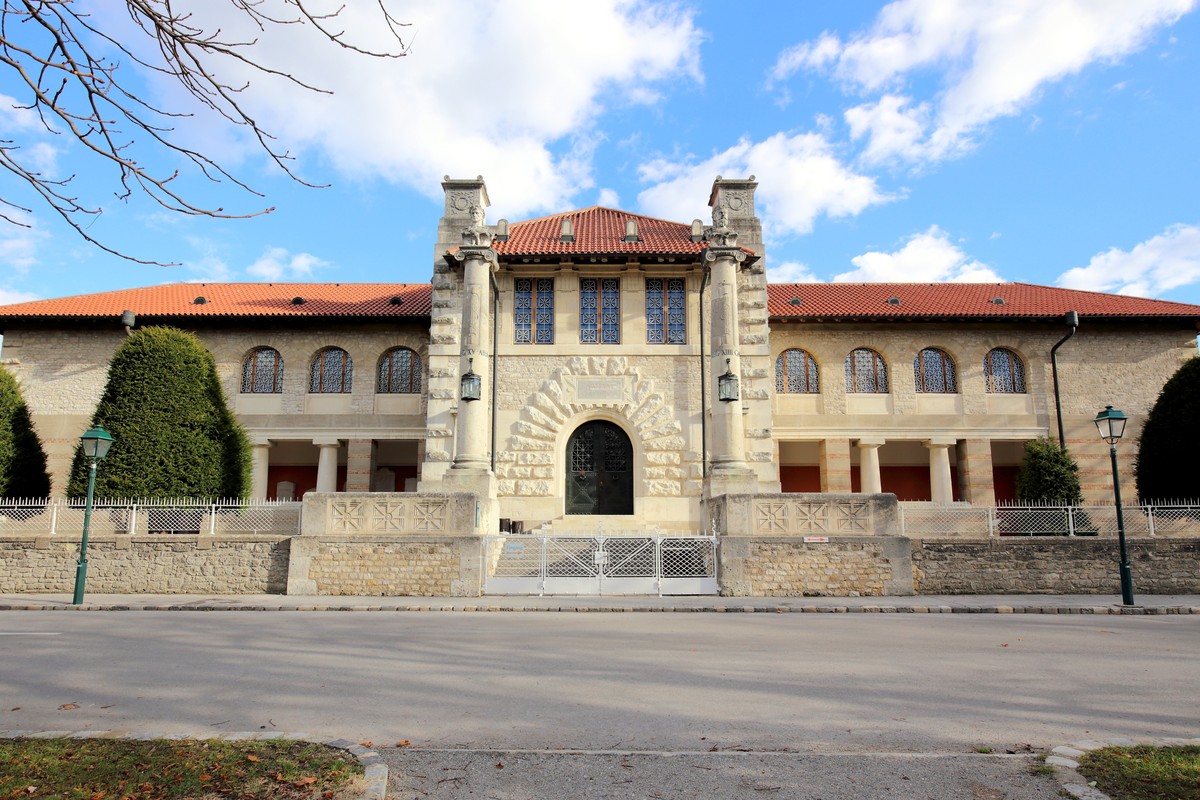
[96,443]
[471,385]
[1111,424]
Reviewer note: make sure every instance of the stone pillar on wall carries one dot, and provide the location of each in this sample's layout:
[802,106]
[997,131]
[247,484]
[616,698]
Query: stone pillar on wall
[868,463]
[327,462]
[730,471]
[260,458]
[940,486]
[360,464]
[835,465]
[975,478]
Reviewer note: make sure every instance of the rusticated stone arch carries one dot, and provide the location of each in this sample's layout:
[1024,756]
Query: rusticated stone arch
[528,463]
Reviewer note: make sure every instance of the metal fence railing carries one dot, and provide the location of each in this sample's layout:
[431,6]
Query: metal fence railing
[924,520]
[59,516]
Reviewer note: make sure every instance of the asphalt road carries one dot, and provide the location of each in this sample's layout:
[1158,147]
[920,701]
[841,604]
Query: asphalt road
[825,684]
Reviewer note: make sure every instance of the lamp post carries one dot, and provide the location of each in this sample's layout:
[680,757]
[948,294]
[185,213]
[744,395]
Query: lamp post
[96,443]
[1111,424]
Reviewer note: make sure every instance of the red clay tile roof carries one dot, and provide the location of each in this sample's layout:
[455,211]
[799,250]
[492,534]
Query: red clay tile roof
[958,300]
[238,300]
[598,231]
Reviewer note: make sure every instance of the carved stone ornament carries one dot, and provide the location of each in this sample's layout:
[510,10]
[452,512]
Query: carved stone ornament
[458,201]
[469,251]
[476,234]
[717,251]
[720,234]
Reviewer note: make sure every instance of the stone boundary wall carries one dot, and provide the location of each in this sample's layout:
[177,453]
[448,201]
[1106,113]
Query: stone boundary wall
[381,566]
[170,564]
[786,566]
[1054,565]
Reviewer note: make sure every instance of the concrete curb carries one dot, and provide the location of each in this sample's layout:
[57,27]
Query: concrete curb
[375,771]
[598,608]
[1064,759]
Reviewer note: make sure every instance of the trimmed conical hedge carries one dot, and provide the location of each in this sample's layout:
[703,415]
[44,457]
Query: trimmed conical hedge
[1170,440]
[1048,475]
[174,435]
[22,460]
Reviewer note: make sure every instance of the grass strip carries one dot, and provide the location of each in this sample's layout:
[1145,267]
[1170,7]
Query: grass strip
[1144,772]
[119,769]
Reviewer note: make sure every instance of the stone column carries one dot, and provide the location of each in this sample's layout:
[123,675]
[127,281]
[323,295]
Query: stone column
[940,486]
[471,443]
[260,460]
[975,477]
[868,465]
[730,472]
[835,465]
[360,464]
[327,464]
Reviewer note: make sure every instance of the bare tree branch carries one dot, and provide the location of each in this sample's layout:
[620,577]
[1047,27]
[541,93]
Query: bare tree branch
[59,59]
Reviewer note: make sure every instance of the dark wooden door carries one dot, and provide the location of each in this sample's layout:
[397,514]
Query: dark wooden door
[599,470]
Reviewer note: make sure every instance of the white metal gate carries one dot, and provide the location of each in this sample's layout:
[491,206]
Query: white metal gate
[601,565]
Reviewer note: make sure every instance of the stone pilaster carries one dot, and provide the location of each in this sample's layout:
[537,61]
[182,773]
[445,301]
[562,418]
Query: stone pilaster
[975,477]
[360,464]
[835,465]
[940,486]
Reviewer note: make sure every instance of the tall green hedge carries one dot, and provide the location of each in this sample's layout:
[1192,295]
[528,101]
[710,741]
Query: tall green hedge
[1048,475]
[174,435]
[22,460]
[1170,440]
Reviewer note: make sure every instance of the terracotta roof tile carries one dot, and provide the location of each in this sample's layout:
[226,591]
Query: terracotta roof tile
[239,300]
[958,300]
[598,231]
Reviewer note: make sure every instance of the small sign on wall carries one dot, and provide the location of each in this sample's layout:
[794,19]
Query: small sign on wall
[816,539]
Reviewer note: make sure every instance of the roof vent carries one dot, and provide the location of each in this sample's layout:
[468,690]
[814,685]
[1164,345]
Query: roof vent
[893,301]
[501,230]
[199,301]
[396,301]
[997,301]
[795,301]
[631,232]
[568,231]
[697,231]
[297,301]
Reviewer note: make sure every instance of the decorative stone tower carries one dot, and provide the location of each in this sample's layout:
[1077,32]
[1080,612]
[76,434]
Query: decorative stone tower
[742,446]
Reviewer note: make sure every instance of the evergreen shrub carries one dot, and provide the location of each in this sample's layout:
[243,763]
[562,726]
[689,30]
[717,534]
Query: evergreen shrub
[1170,442]
[22,460]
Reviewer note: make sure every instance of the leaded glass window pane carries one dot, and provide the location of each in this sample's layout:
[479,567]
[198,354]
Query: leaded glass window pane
[1005,372]
[796,373]
[866,372]
[934,372]
[262,372]
[331,372]
[533,311]
[666,311]
[589,311]
[523,311]
[610,311]
[400,372]
[544,320]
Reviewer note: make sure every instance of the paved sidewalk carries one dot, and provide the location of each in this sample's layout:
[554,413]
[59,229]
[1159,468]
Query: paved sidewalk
[920,604]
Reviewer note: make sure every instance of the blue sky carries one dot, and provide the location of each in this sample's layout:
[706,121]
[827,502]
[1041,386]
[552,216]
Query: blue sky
[1047,141]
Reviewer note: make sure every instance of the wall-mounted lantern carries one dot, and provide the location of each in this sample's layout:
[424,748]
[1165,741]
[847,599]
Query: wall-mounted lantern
[727,385]
[471,384]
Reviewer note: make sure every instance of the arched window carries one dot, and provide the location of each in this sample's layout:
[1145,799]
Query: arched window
[262,371]
[331,372]
[1004,371]
[796,373]
[399,372]
[866,372]
[934,372]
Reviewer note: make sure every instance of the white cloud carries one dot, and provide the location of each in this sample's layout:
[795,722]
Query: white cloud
[502,88]
[992,58]
[276,264]
[608,198]
[1157,265]
[928,257]
[804,180]
[791,272]
[10,296]
[19,242]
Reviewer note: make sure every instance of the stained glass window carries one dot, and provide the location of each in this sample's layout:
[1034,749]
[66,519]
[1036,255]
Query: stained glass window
[666,311]
[534,311]
[600,311]
[331,372]
[1005,372]
[262,372]
[866,372]
[399,372]
[796,373]
[934,372]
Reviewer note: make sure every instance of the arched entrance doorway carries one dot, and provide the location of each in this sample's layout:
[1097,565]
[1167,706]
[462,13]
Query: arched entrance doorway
[599,470]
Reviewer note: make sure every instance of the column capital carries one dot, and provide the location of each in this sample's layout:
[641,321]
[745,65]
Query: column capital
[714,253]
[469,252]
[327,442]
[260,441]
[872,441]
[940,441]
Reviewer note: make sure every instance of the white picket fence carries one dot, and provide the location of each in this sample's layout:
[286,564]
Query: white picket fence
[59,516]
